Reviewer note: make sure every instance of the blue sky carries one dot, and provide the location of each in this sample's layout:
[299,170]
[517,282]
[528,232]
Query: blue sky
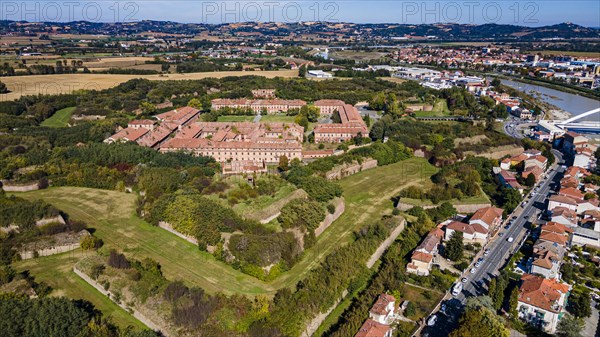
[527,13]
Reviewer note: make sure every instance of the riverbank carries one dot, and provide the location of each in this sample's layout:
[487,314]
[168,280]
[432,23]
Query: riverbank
[557,114]
[563,87]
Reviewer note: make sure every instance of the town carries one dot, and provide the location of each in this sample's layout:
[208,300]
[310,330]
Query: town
[299,179]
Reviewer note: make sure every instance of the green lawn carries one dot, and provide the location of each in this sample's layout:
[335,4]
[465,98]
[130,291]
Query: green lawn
[368,196]
[235,119]
[59,119]
[423,304]
[112,214]
[440,108]
[56,271]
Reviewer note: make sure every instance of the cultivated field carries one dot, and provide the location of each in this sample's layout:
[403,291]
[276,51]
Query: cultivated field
[368,196]
[67,83]
[59,119]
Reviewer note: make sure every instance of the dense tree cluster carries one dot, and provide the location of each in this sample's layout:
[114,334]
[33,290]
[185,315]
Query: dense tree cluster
[23,213]
[57,316]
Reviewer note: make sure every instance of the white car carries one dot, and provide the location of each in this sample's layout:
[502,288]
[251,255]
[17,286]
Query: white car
[431,321]
[473,270]
[510,239]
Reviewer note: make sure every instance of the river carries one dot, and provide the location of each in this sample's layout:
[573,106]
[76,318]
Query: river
[573,104]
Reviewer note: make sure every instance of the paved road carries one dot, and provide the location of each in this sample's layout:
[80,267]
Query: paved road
[500,251]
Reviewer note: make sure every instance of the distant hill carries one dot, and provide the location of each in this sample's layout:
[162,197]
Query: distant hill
[444,32]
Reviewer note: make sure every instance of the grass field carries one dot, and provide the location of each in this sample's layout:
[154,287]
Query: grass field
[424,303]
[66,83]
[56,271]
[60,118]
[440,108]
[368,196]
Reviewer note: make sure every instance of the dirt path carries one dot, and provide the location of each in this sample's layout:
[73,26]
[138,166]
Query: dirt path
[385,244]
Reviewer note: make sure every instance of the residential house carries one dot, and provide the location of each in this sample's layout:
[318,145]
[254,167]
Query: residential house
[572,193]
[591,220]
[488,217]
[541,301]
[535,171]
[565,216]
[555,233]
[547,259]
[383,309]
[508,179]
[539,161]
[422,258]
[472,233]
[562,201]
[584,158]
[371,328]
[587,205]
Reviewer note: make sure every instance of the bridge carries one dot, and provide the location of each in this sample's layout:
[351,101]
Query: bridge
[572,123]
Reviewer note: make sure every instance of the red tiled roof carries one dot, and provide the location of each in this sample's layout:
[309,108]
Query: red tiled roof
[129,134]
[423,257]
[554,237]
[380,306]
[372,328]
[542,293]
[142,122]
[571,193]
[467,228]
[556,227]
[488,215]
[562,199]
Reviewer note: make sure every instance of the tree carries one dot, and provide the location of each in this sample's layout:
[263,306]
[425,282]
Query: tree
[530,180]
[570,326]
[454,247]
[492,287]
[90,242]
[195,103]
[3,88]
[513,301]
[480,322]
[148,108]
[579,304]
[496,82]
[284,163]
[302,71]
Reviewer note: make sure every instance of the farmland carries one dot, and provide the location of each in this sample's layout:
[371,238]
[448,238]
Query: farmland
[66,83]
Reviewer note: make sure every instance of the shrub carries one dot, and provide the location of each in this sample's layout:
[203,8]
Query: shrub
[331,208]
[174,291]
[96,271]
[410,310]
[52,228]
[118,260]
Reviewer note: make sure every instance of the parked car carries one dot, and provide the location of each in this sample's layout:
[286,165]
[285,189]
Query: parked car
[431,321]
[510,239]
[473,270]
[486,253]
[464,280]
